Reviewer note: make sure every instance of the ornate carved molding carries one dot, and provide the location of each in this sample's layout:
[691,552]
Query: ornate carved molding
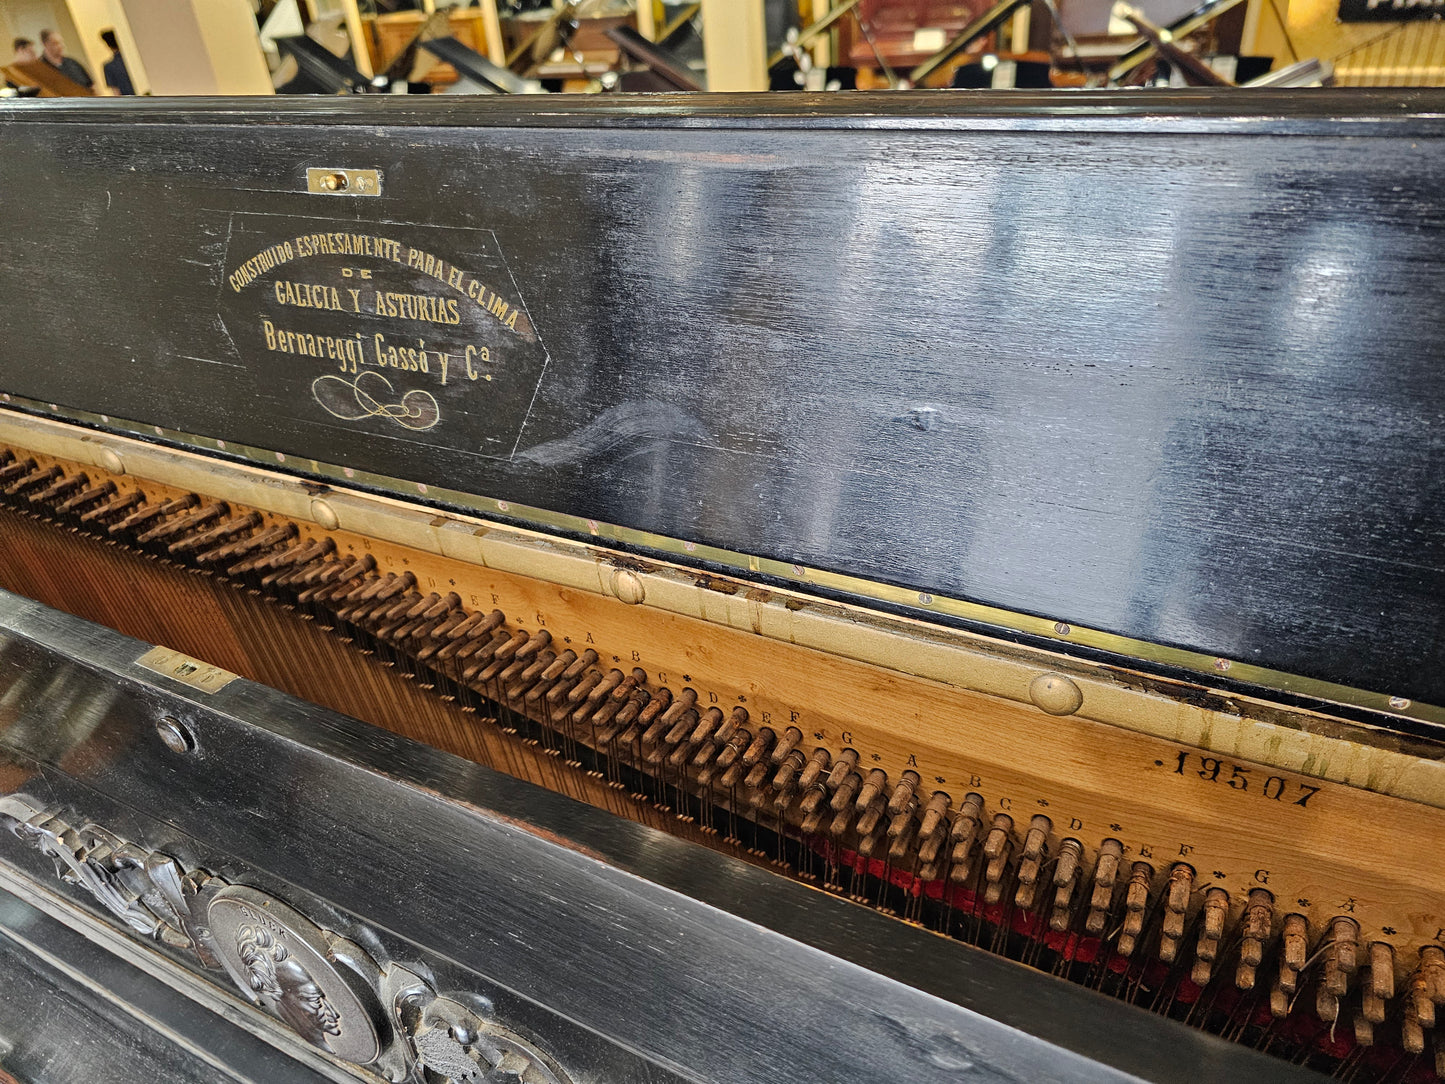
[323,987]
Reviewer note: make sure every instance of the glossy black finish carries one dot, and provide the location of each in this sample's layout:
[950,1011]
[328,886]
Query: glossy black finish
[1164,365]
[626,954]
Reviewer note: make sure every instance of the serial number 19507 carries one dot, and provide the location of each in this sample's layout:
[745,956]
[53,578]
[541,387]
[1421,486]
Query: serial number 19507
[1275,788]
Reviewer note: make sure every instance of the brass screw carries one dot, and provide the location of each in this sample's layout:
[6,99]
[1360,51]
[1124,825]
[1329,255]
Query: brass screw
[334,182]
[175,735]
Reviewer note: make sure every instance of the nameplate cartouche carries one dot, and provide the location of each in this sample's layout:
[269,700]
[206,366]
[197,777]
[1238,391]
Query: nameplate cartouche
[385,329]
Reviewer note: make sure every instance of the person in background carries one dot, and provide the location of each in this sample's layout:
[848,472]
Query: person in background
[24,54]
[114,73]
[53,53]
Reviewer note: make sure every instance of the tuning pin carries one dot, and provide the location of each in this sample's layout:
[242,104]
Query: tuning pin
[726,760]
[591,689]
[1211,928]
[60,487]
[668,721]
[869,842]
[902,822]
[813,771]
[1341,957]
[996,848]
[1031,860]
[756,776]
[786,744]
[550,675]
[1256,923]
[37,477]
[1176,904]
[761,743]
[964,834]
[525,658]
[872,789]
[562,687]
[870,819]
[1294,952]
[730,760]
[707,724]
[1432,966]
[533,673]
[522,657]
[813,819]
[688,726]
[846,762]
[624,704]
[1364,1030]
[117,505]
[1106,875]
[903,794]
[814,800]
[931,834]
[1378,985]
[1136,899]
[1066,874]
[1279,1002]
[12,470]
[900,831]
[736,719]
[502,657]
[478,624]
[1421,996]
[843,795]
[903,802]
[785,783]
[1419,1014]
[649,721]
[436,636]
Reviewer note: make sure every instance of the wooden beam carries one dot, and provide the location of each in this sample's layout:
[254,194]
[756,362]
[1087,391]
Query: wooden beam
[735,44]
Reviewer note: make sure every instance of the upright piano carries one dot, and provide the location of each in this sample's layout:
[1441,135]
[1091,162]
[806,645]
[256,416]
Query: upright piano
[724,588]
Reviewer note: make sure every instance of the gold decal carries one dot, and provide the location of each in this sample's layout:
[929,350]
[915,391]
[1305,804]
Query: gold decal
[408,306]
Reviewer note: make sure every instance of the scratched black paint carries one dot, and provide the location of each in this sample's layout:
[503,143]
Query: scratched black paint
[1163,365]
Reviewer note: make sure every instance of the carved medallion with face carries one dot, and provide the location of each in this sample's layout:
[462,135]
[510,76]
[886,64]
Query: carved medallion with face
[281,961]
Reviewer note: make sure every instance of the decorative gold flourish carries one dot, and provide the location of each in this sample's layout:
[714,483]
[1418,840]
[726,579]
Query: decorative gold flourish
[370,395]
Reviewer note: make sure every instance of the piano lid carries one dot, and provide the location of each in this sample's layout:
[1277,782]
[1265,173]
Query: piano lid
[1156,375]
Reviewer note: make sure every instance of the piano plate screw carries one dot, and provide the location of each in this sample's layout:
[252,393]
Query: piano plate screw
[174,733]
[1062,628]
[1399,703]
[925,598]
[1222,664]
[109,459]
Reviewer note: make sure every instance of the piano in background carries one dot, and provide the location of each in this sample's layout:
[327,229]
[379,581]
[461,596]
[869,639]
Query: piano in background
[1018,515]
